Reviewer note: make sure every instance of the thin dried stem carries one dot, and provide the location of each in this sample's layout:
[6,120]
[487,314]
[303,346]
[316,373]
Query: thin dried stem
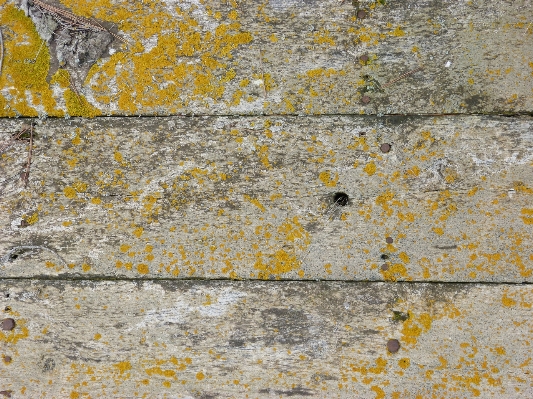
[402,76]
[30,149]
[72,21]
[14,138]
[1,51]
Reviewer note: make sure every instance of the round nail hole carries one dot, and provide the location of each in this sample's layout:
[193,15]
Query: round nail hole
[362,134]
[341,199]
[384,256]
[7,295]
[7,309]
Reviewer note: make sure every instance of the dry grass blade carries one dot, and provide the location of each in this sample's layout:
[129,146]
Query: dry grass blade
[402,76]
[72,21]
[1,51]
[27,173]
[14,138]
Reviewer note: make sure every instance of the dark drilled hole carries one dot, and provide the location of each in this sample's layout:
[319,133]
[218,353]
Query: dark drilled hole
[7,309]
[384,256]
[13,256]
[341,199]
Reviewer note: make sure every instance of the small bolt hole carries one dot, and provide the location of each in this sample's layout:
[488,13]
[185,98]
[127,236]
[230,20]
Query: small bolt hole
[7,309]
[384,256]
[341,199]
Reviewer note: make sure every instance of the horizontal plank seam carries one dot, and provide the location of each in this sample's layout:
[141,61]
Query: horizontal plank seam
[504,114]
[184,280]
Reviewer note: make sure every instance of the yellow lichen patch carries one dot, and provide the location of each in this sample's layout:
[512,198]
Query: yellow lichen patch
[200,376]
[370,168]
[32,219]
[143,268]
[162,76]
[327,180]
[255,202]
[414,326]
[122,367]
[25,67]
[528,218]
[394,272]
[506,301]
[380,393]
[404,362]
[19,332]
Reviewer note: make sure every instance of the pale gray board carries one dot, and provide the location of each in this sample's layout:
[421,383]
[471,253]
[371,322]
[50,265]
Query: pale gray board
[277,339]
[486,236]
[476,57]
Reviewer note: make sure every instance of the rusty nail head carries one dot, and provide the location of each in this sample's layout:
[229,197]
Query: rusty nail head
[385,147]
[7,359]
[393,345]
[389,240]
[363,58]
[8,324]
[23,223]
[361,14]
[365,99]
[384,267]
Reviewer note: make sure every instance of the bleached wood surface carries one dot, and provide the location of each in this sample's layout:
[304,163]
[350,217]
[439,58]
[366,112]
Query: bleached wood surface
[137,339]
[277,56]
[223,197]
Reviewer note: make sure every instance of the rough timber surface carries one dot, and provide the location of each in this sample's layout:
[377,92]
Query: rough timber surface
[266,340]
[223,197]
[273,57]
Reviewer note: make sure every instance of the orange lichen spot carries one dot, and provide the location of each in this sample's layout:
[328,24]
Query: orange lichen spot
[414,326]
[404,362]
[122,367]
[142,268]
[506,301]
[138,232]
[125,248]
[404,257]
[96,201]
[32,219]
[380,393]
[74,395]
[200,376]
[370,168]
[528,218]
[327,180]
[97,336]
[255,202]
[69,192]
[438,230]
[85,267]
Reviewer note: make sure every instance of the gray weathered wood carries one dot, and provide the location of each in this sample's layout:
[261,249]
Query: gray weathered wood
[266,339]
[222,197]
[279,56]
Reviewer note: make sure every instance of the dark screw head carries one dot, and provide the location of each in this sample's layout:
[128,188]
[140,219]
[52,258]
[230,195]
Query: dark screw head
[8,324]
[385,147]
[393,345]
[7,394]
[389,240]
[7,359]
[341,199]
[361,14]
[23,223]
[384,267]
[364,58]
[365,99]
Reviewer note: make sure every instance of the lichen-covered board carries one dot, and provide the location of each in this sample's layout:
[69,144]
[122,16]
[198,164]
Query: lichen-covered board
[278,56]
[266,339]
[254,197]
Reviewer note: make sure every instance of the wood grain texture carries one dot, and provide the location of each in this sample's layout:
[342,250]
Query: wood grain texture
[277,56]
[266,339]
[223,197]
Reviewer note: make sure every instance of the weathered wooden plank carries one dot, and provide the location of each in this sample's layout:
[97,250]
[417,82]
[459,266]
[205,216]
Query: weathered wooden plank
[277,56]
[266,339]
[221,197]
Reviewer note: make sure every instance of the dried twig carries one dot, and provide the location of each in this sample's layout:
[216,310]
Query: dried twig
[402,76]
[75,90]
[14,138]
[72,21]
[1,51]
[30,149]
